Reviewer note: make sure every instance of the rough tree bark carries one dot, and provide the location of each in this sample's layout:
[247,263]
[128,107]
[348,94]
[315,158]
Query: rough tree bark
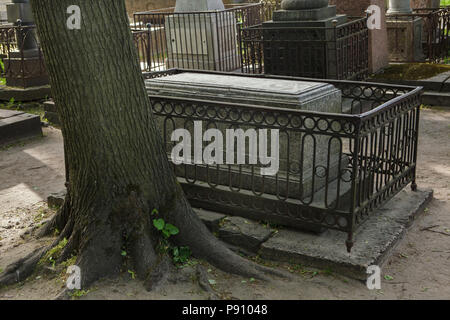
[118,169]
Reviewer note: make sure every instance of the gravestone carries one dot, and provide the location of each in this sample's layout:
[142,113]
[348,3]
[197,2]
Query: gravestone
[405,33]
[201,34]
[310,58]
[276,93]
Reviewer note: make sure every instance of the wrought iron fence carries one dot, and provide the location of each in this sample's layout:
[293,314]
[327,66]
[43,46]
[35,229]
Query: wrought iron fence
[269,6]
[339,52]
[335,168]
[435,31]
[21,67]
[194,40]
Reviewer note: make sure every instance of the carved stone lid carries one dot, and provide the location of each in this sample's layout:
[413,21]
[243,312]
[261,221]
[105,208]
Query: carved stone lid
[303,4]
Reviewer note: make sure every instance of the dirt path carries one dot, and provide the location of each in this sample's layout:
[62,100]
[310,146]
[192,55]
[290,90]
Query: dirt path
[418,269]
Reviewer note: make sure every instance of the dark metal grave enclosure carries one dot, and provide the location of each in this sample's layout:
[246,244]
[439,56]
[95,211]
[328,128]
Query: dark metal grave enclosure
[361,157]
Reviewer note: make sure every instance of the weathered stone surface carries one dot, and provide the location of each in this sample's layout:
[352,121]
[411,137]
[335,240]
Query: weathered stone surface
[24,94]
[399,6]
[248,90]
[210,219]
[373,241]
[305,15]
[405,39]
[198,5]
[56,199]
[51,114]
[300,95]
[244,233]
[303,4]
[15,126]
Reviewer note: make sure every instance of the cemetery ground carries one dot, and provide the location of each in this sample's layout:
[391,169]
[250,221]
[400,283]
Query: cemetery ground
[418,268]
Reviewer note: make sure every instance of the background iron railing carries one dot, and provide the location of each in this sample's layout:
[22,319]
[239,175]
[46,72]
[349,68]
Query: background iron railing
[19,65]
[195,40]
[339,52]
[435,33]
[335,168]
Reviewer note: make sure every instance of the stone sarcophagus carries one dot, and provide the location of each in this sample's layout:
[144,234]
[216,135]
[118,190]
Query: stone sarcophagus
[308,159]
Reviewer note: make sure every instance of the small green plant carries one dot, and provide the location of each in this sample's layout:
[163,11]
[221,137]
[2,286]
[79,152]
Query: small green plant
[79,293]
[180,255]
[132,273]
[53,254]
[167,229]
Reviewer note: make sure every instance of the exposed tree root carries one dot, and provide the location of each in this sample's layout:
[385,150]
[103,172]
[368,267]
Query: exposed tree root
[22,268]
[99,247]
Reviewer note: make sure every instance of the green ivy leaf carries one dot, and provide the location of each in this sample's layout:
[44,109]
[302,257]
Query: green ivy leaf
[172,229]
[155,211]
[159,224]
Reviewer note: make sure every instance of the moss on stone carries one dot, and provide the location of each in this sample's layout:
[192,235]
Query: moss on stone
[412,71]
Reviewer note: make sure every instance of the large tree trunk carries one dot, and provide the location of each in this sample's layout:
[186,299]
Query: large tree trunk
[118,169]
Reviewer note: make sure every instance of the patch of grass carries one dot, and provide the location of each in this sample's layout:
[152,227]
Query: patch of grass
[78,293]
[53,254]
[411,71]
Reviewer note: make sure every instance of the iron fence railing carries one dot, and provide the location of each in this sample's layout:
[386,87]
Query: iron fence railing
[435,31]
[21,66]
[339,52]
[195,40]
[335,168]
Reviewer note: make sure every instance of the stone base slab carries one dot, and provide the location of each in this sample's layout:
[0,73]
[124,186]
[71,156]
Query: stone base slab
[374,240]
[17,125]
[24,94]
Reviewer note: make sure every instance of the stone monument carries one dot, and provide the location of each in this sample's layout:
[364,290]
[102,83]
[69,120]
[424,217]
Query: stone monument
[24,66]
[201,34]
[308,58]
[298,153]
[405,33]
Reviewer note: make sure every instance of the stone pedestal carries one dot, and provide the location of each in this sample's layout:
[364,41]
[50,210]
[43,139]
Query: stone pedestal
[201,35]
[205,41]
[378,39]
[405,33]
[299,95]
[302,20]
[399,6]
[405,40]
